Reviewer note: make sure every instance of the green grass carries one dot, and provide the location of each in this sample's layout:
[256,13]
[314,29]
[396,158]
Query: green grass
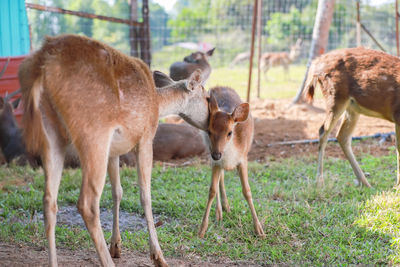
[277,86]
[340,224]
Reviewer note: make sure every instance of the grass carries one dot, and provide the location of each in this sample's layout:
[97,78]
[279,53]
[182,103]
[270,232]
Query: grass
[340,224]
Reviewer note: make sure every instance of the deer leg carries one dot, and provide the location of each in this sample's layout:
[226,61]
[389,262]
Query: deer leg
[331,119]
[218,206]
[344,137]
[113,172]
[216,174]
[398,152]
[144,159]
[225,203]
[244,179]
[53,161]
[94,167]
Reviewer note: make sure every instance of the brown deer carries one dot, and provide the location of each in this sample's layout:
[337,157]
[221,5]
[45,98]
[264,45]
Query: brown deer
[284,59]
[355,81]
[181,70]
[228,138]
[79,91]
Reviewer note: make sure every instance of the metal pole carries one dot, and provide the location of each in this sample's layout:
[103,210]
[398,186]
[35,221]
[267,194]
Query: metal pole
[253,27]
[397,28]
[259,30]
[358,26]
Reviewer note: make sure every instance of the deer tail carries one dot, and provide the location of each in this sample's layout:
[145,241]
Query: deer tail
[310,84]
[31,82]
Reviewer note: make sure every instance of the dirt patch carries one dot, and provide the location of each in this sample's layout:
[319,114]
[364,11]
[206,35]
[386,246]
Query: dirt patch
[21,255]
[129,221]
[276,122]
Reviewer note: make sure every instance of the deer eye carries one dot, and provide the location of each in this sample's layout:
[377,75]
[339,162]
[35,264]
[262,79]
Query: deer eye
[229,134]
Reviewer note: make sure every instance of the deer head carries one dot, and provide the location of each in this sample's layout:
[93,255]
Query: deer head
[191,98]
[221,128]
[199,57]
[295,50]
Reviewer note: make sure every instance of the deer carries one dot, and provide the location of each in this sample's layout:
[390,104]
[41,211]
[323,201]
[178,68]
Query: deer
[284,59]
[181,70]
[228,139]
[11,141]
[354,81]
[122,115]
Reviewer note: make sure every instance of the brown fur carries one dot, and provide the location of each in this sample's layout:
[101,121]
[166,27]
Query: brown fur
[198,60]
[284,59]
[358,81]
[229,138]
[79,91]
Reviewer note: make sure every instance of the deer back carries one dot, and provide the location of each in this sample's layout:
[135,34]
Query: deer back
[198,60]
[368,77]
[85,86]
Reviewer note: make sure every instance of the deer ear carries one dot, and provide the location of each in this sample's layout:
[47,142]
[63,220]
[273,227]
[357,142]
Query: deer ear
[212,104]
[161,79]
[241,112]
[210,52]
[194,80]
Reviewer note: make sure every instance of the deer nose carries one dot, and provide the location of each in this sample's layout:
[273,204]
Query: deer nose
[216,155]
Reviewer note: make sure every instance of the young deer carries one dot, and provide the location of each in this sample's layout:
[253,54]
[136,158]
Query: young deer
[284,59]
[198,60]
[229,138]
[79,91]
[355,81]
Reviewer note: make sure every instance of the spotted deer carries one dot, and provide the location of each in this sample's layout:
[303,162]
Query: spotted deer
[228,138]
[82,92]
[284,59]
[181,70]
[355,81]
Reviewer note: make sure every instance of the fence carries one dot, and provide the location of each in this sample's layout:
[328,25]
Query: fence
[225,24]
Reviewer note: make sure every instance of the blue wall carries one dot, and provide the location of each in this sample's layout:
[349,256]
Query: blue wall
[14,29]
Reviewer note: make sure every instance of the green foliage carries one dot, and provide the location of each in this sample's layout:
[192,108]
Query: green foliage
[339,224]
[285,28]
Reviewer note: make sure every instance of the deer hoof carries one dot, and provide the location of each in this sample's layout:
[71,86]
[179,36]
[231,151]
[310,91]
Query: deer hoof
[259,231]
[115,250]
[218,214]
[158,259]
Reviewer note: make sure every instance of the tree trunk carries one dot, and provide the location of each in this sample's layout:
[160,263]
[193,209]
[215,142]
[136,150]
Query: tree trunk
[145,46]
[320,37]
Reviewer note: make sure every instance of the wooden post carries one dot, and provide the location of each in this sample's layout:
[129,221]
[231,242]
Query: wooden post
[253,28]
[397,28]
[320,37]
[358,25]
[259,31]
[145,45]
[133,31]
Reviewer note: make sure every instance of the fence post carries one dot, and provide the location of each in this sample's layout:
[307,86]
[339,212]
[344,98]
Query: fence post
[397,28]
[259,35]
[145,46]
[253,27]
[133,31]
[358,25]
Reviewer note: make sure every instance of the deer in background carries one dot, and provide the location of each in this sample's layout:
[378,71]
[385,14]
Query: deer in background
[284,59]
[228,138]
[355,81]
[181,70]
[82,92]
[11,141]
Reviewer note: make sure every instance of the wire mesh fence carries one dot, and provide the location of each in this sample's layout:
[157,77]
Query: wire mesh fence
[225,24]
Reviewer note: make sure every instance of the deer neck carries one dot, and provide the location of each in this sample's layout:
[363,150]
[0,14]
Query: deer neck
[171,99]
[293,55]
